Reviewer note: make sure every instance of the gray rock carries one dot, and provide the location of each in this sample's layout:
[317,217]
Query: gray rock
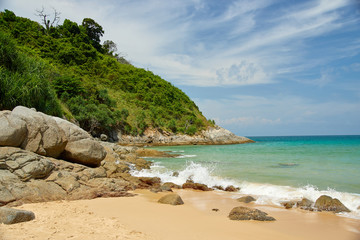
[103,137]
[91,173]
[326,203]
[85,151]
[72,132]
[5,196]
[68,183]
[7,176]
[172,199]
[12,130]
[11,216]
[246,199]
[44,136]
[244,213]
[24,164]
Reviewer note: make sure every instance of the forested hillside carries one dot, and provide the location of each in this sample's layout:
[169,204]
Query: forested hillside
[65,70]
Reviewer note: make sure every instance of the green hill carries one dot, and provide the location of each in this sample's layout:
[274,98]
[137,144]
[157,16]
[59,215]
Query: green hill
[64,70]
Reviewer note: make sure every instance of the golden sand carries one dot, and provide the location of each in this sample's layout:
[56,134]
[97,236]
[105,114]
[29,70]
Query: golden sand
[141,217]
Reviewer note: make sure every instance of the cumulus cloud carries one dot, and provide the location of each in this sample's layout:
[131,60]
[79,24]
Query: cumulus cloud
[244,73]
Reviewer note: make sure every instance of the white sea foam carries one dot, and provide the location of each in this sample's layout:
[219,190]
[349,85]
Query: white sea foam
[267,194]
[186,156]
[194,171]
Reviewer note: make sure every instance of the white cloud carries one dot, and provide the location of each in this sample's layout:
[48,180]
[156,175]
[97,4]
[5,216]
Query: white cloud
[244,73]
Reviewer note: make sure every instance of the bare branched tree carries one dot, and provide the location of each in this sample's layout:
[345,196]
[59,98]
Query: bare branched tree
[45,18]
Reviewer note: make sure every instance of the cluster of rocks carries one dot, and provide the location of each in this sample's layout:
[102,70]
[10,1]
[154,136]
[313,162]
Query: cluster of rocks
[48,136]
[211,136]
[323,203]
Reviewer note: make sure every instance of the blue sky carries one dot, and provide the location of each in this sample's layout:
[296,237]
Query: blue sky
[257,67]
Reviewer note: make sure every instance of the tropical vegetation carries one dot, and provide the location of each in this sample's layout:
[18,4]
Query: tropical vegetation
[65,70]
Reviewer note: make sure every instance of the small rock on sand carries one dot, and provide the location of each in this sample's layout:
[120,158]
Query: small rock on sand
[172,199]
[245,213]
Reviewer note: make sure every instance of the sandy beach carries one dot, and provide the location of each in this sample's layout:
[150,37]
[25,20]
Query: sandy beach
[141,217]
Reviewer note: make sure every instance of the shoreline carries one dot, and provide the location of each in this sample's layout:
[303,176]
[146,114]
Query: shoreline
[141,217]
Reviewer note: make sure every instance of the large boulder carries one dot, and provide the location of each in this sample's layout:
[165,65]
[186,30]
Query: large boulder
[172,199]
[326,203]
[244,213]
[85,151]
[11,216]
[44,136]
[81,147]
[12,130]
[72,131]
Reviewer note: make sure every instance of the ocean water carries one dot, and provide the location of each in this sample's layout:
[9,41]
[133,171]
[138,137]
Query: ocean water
[274,169]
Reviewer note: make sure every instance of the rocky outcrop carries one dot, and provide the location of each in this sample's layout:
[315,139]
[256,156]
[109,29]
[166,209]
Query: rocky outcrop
[326,203]
[49,136]
[144,152]
[244,213]
[28,177]
[17,163]
[172,199]
[211,136]
[11,216]
[246,199]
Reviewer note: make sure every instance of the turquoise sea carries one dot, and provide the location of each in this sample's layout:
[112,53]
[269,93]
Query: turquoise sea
[274,169]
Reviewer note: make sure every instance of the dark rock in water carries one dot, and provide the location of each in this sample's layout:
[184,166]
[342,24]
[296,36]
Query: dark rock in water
[231,188]
[219,188]
[175,174]
[305,204]
[288,205]
[11,216]
[326,203]
[244,213]
[172,199]
[246,199]
[196,186]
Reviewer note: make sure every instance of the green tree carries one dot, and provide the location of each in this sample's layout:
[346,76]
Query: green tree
[94,32]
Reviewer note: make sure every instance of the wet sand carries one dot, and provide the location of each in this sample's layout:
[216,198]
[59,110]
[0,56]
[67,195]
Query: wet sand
[141,217]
